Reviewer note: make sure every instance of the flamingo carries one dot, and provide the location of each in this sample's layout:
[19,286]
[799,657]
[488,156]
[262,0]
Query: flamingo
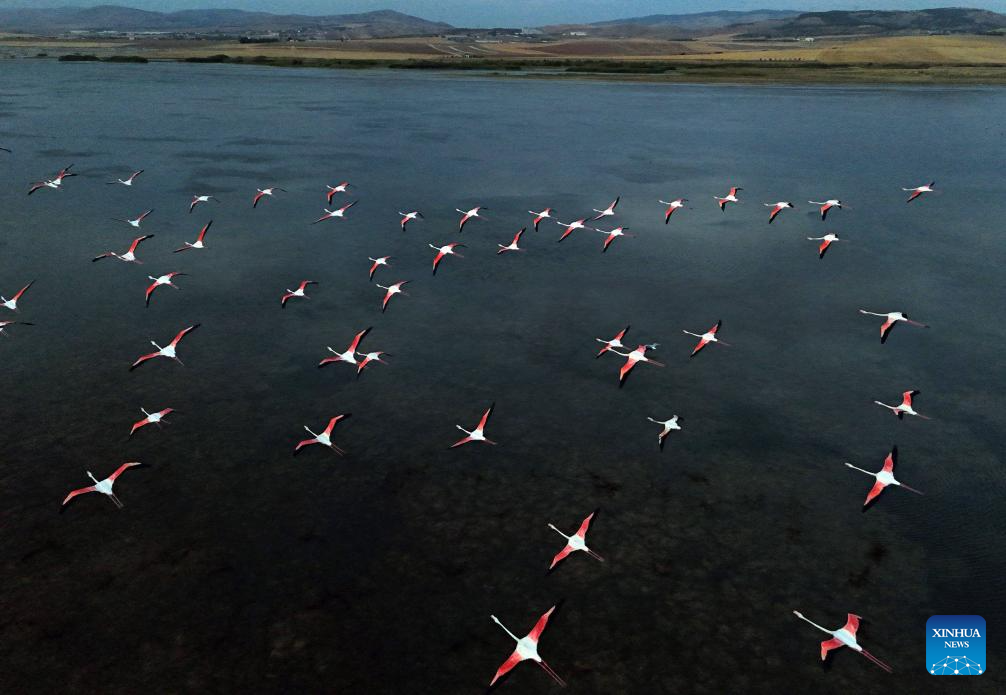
[826,205]
[103,486]
[919,190]
[578,541]
[634,357]
[154,418]
[4,324]
[672,206]
[885,477]
[731,197]
[134,223]
[199,240]
[571,227]
[612,235]
[825,240]
[324,438]
[668,425]
[332,190]
[539,216]
[369,357]
[166,351]
[350,354]
[12,302]
[446,250]
[777,208]
[299,292]
[262,192]
[392,290]
[615,342]
[845,636]
[383,260]
[891,318]
[331,214]
[527,648]
[465,216]
[477,434]
[196,199]
[606,212]
[905,407]
[408,217]
[130,255]
[512,246]
[706,338]
[127,182]
[162,280]
[49,183]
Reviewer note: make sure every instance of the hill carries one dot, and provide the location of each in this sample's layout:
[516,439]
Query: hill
[126,19]
[877,23]
[671,25]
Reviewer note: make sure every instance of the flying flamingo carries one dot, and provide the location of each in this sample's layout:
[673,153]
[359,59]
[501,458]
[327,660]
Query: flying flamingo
[905,407]
[845,636]
[606,212]
[330,214]
[154,418]
[166,351]
[539,216]
[369,357]
[919,190]
[162,280]
[634,357]
[12,302]
[825,240]
[446,250]
[199,240]
[332,190]
[262,192]
[668,425]
[350,354]
[512,246]
[130,255]
[615,342]
[672,206]
[409,216]
[612,235]
[571,227]
[383,260]
[731,197]
[777,208]
[4,324]
[826,205]
[103,486]
[134,223]
[527,648]
[392,290]
[885,477]
[127,182]
[892,317]
[465,216]
[578,541]
[477,434]
[299,292]
[325,438]
[49,183]
[706,338]
[196,199]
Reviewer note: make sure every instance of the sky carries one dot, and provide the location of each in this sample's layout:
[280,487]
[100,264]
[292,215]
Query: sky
[515,12]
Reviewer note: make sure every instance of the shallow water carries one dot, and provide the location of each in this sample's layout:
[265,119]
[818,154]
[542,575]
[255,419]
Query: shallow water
[235,565]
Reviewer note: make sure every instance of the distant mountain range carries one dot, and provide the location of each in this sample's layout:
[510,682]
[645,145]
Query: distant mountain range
[116,18]
[871,22]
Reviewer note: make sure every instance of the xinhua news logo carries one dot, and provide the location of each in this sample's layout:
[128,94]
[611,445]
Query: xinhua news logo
[955,645]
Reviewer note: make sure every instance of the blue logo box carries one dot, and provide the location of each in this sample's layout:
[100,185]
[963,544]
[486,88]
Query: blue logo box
[955,645]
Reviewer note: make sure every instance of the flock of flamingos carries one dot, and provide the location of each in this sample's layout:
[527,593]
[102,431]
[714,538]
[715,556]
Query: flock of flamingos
[526,646]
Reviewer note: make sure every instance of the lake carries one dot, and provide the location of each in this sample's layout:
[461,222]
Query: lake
[236,566]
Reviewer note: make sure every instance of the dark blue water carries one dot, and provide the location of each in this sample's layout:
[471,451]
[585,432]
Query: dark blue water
[235,566]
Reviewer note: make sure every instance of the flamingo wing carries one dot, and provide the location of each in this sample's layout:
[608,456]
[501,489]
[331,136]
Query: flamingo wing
[539,627]
[775,211]
[906,397]
[560,556]
[460,442]
[828,645]
[626,368]
[333,421]
[851,624]
[150,291]
[81,491]
[885,330]
[823,247]
[182,333]
[140,360]
[877,488]
[142,423]
[701,344]
[306,442]
[891,459]
[118,471]
[915,194]
[512,661]
[357,338]
[258,197]
[485,417]
[582,531]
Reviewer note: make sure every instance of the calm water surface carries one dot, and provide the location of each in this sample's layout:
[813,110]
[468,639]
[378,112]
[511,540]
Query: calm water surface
[235,566]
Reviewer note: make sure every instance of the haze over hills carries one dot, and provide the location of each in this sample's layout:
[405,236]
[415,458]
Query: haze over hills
[126,19]
[677,24]
[872,22]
